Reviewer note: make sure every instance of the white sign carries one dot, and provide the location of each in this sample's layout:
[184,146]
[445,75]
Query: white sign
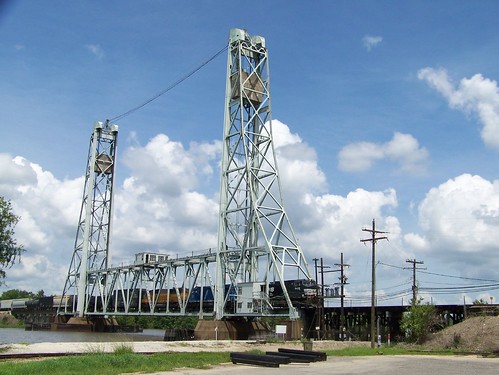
[280,330]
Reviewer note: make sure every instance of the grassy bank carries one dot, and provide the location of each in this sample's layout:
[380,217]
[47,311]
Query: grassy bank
[123,360]
[8,321]
[115,363]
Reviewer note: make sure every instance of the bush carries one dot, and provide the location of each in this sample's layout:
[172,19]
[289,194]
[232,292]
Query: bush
[419,321]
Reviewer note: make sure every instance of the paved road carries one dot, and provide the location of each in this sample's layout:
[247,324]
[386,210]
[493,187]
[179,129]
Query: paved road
[379,365]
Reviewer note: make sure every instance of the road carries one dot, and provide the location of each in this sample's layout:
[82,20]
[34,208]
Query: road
[378,365]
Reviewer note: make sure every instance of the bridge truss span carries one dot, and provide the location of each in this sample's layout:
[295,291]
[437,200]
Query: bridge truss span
[181,286]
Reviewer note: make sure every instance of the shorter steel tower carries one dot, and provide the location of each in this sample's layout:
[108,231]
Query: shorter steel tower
[256,243]
[91,247]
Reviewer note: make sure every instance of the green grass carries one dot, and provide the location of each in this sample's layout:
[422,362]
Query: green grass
[123,360]
[115,363]
[10,322]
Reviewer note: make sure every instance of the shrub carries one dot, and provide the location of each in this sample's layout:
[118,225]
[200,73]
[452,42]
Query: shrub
[419,321]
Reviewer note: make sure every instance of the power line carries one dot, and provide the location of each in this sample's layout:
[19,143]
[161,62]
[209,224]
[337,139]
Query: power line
[442,275]
[391,265]
[172,86]
[462,288]
[459,277]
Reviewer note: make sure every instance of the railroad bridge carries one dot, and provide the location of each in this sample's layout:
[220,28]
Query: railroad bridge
[256,269]
[357,323]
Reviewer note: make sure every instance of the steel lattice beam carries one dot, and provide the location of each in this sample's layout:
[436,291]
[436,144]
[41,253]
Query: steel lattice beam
[256,241]
[94,226]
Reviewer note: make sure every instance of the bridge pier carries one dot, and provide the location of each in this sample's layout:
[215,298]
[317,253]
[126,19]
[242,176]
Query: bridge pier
[90,324]
[243,330]
[230,330]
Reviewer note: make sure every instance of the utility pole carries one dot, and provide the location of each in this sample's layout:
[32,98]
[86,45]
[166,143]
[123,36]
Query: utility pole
[316,277]
[414,284]
[343,281]
[320,292]
[373,240]
[321,324]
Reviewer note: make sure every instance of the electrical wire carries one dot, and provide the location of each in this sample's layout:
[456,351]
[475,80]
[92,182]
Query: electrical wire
[172,86]
[458,277]
[391,265]
[441,274]
[460,289]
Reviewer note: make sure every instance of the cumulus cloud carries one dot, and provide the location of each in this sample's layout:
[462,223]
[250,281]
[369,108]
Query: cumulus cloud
[158,206]
[297,162]
[162,206]
[96,50]
[476,95]
[370,41]
[461,214]
[49,209]
[460,226]
[402,149]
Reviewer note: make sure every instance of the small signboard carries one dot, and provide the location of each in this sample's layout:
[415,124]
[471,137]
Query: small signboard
[280,330]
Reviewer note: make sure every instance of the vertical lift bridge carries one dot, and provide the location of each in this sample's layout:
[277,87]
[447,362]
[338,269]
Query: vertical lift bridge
[257,249]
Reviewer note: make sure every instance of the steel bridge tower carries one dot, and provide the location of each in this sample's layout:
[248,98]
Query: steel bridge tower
[256,243]
[91,248]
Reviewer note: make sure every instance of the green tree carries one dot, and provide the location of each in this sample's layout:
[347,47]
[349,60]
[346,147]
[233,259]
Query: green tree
[481,301]
[16,294]
[419,321]
[9,249]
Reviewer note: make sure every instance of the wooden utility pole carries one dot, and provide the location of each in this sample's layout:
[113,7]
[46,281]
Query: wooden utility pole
[414,284]
[373,240]
[318,316]
[343,281]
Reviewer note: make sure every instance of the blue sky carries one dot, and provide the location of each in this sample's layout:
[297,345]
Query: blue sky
[386,110]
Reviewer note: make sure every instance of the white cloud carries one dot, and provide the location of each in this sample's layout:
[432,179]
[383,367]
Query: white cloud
[476,95]
[96,50]
[49,210]
[158,206]
[460,227]
[297,162]
[161,206]
[282,136]
[462,214]
[402,149]
[370,41]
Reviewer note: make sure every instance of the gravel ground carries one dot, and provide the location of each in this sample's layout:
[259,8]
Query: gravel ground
[168,346]
[477,334]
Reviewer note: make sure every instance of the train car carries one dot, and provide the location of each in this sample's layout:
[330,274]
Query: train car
[161,298]
[199,294]
[301,292]
[62,302]
[18,306]
[6,305]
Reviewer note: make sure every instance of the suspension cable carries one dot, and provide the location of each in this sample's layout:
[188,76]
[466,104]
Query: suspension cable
[172,86]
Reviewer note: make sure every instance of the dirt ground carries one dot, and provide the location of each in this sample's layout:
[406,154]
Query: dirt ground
[477,334]
[169,346]
[8,320]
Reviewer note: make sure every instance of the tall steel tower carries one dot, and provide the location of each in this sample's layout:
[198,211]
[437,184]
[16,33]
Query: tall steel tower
[257,244]
[94,227]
